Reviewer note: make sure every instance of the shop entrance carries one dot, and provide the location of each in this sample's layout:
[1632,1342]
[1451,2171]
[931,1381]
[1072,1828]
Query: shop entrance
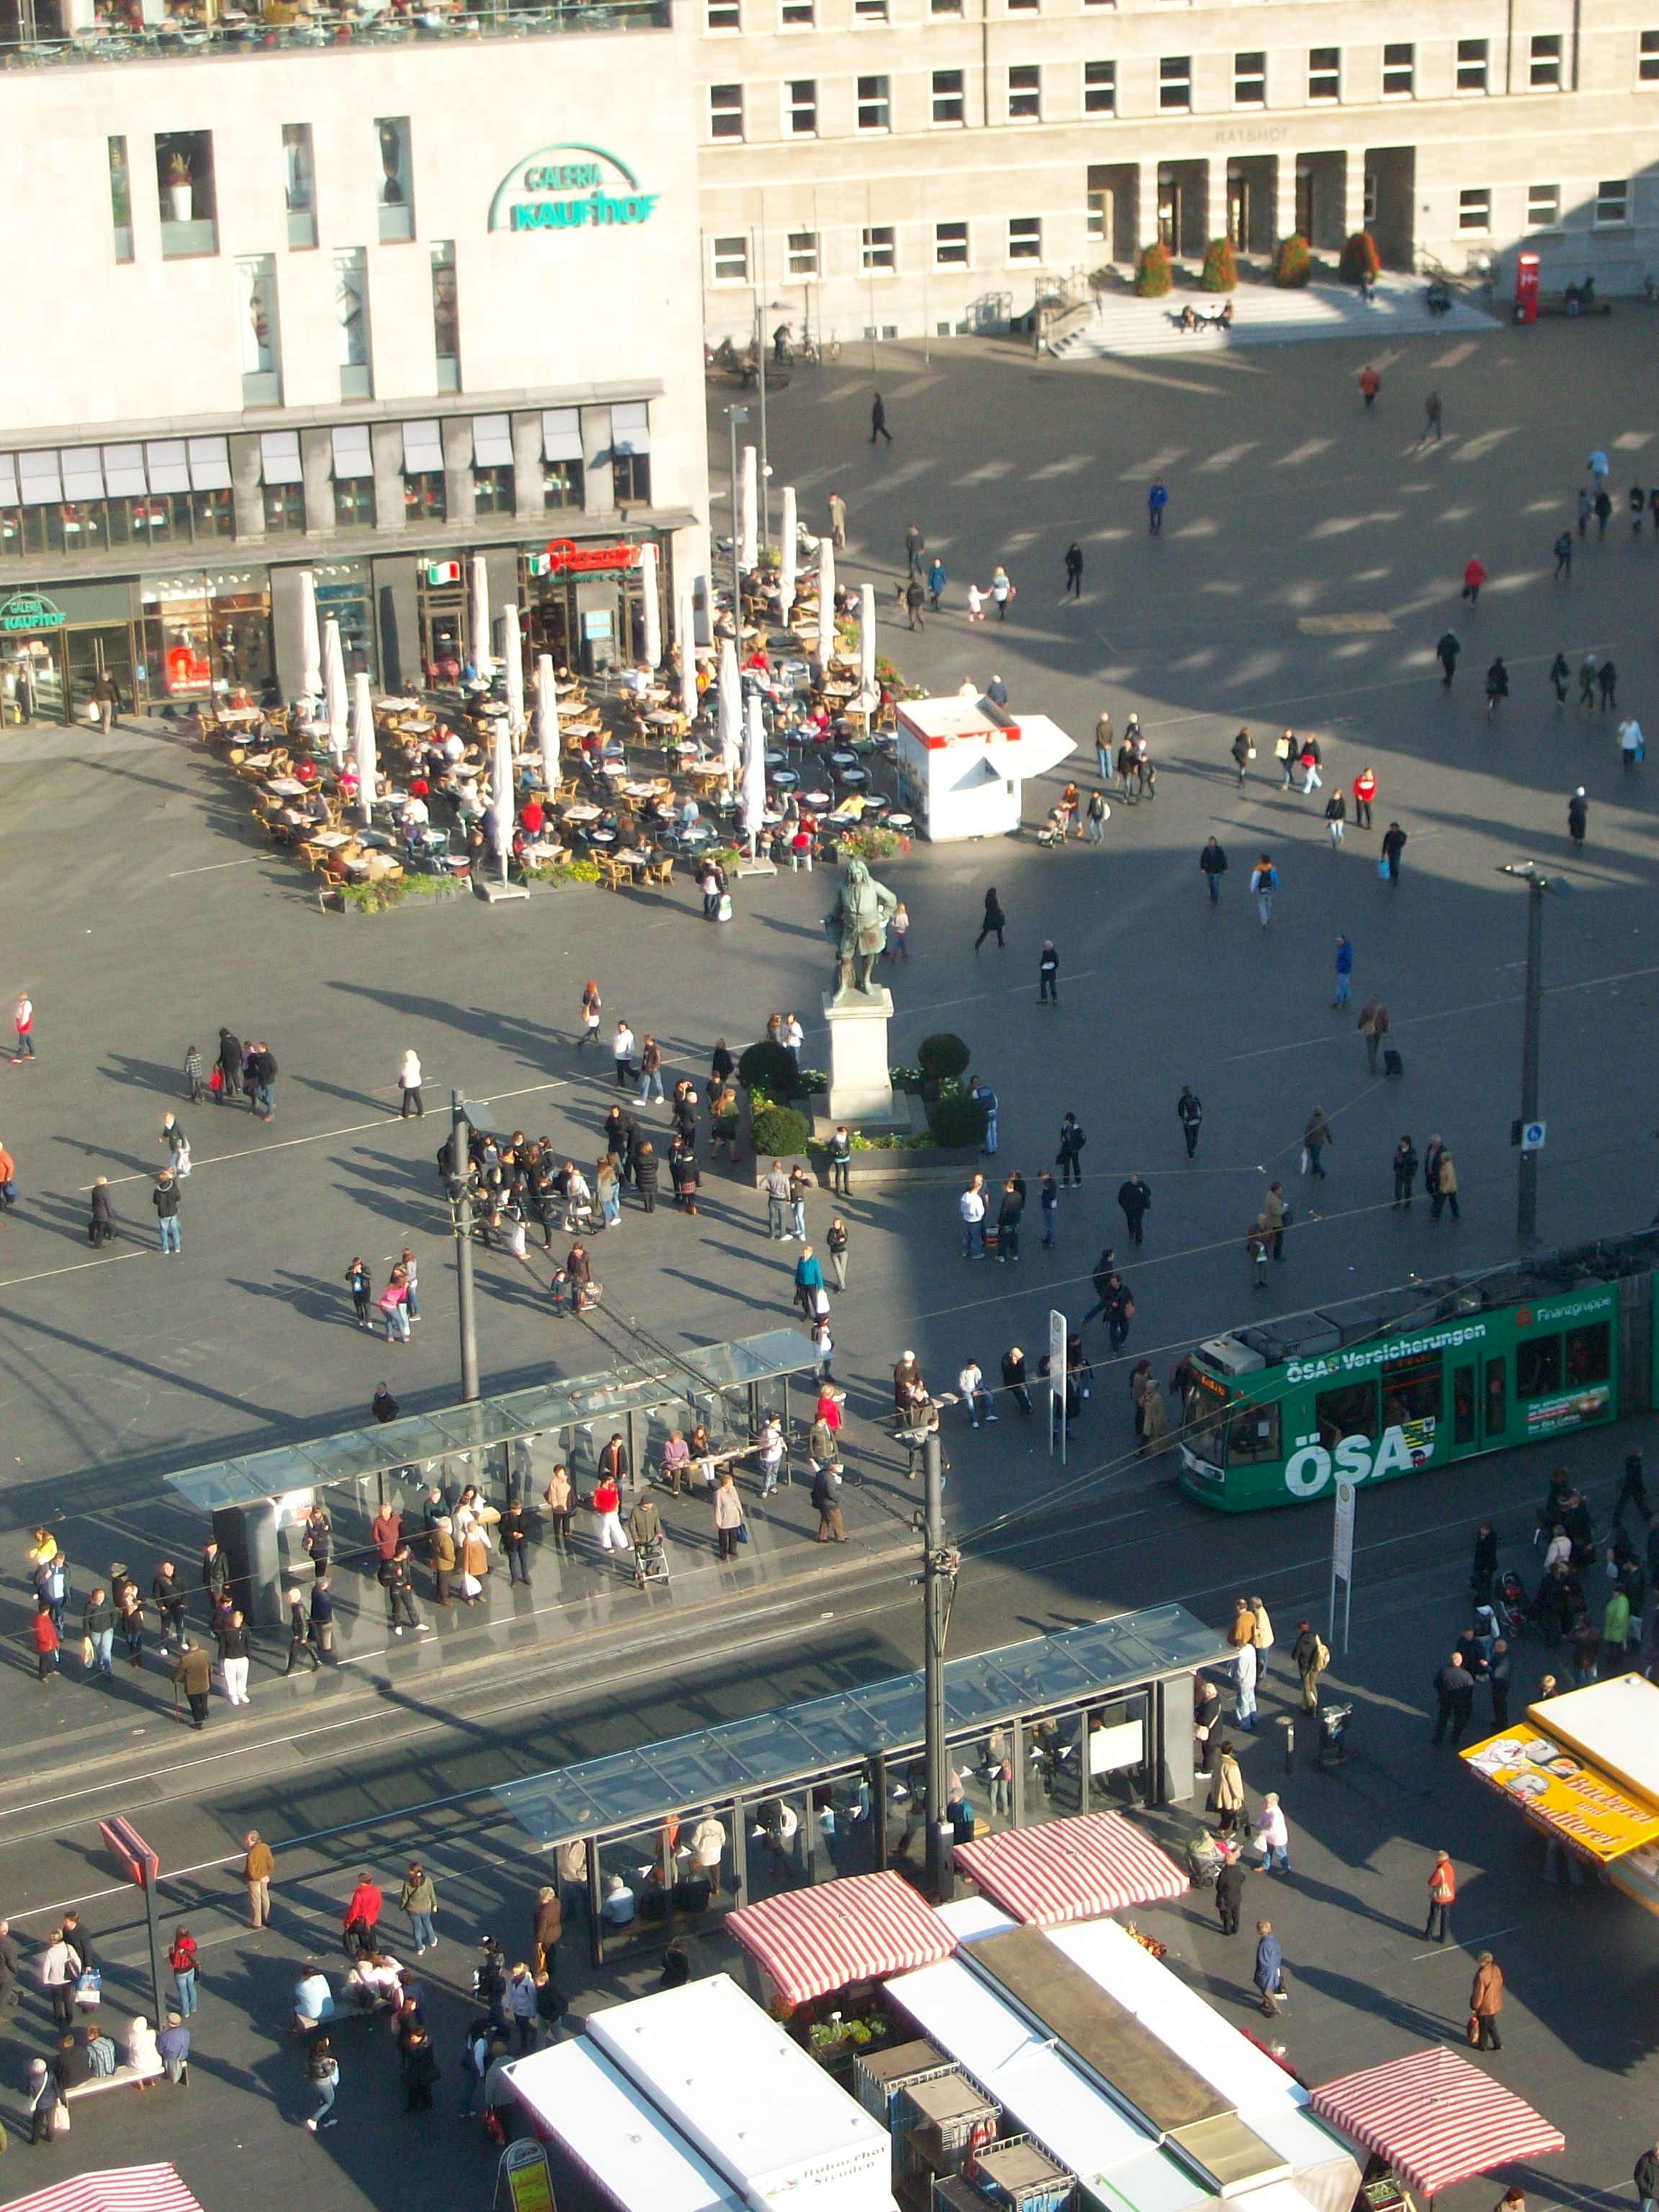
[549,603]
[105,650]
[1182,195]
[443,634]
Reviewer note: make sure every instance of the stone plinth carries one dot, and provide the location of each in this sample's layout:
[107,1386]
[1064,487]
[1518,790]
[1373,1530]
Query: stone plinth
[860,1088]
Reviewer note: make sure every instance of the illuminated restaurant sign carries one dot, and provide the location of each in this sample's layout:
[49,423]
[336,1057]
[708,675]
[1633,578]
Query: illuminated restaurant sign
[565,558]
[569,188]
[30,611]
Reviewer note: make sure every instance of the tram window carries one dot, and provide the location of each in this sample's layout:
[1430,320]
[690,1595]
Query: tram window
[1497,1398]
[1253,1436]
[1589,1354]
[1537,1366]
[1410,1390]
[1350,1412]
[1463,1405]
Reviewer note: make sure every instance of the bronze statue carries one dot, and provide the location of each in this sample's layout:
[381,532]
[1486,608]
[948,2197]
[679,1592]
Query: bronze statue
[857,926]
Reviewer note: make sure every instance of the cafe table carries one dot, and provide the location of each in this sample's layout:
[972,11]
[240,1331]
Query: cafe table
[285,786]
[647,789]
[329,841]
[580,811]
[631,857]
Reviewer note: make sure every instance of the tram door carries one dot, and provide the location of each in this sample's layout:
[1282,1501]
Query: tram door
[1479,1405]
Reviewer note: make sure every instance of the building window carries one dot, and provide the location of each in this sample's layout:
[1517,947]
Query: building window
[1175,80]
[630,453]
[445,316]
[1474,208]
[120,199]
[876,250]
[282,476]
[950,246]
[257,331]
[1325,73]
[1543,207]
[869,11]
[352,459]
[949,97]
[797,14]
[944,7]
[1024,93]
[1471,65]
[1100,87]
[494,491]
[802,249]
[1100,3]
[184,176]
[800,109]
[1545,61]
[1399,72]
[396,190]
[732,260]
[725,111]
[1612,202]
[1023,7]
[1025,238]
[724,15]
[1647,64]
[562,457]
[874,112]
[1249,80]
[351,314]
[426,497]
[300,184]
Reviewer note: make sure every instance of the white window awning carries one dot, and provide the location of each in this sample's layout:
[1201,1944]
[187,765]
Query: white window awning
[354,456]
[424,449]
[167,465]
[562,433]
[7,481]
[39,480]
[83,472]
[279,457]
[210,463]
[124,471]
[630,428]
[492,441]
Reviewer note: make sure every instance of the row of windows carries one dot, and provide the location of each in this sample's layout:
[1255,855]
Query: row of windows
[187,188]
[1023,86]
[1022,235]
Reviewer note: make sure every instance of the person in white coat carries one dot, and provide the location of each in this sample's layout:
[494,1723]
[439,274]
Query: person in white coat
[1261,1636]
[1272,1832]
[1244,1673]
[409,1082]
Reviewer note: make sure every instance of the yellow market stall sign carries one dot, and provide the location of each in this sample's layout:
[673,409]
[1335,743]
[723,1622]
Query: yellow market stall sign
[1557,1790]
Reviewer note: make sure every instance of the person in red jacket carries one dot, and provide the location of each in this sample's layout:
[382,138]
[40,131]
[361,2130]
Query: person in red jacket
[1364,790]
[46,1640]
[1474,576]
[1443,1895]
[360,1922]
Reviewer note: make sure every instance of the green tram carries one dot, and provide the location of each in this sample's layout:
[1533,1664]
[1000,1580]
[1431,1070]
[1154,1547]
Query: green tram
[1423,1375]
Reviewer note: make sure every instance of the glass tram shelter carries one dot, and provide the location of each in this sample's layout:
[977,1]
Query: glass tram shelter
[257,1503]
[810,1792]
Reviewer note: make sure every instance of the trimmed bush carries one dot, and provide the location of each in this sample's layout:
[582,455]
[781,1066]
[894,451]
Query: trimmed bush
[766,1070]
[779,1131]
[1152,278]
[1360,259]
[1292,264]
[943,1056]
[958,1121]
[1220,272]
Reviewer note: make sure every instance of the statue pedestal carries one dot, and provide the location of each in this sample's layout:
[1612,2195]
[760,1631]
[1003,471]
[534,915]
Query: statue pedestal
[859,1087]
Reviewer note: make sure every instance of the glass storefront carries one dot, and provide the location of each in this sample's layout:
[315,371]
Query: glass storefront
[345,591]
[205,631]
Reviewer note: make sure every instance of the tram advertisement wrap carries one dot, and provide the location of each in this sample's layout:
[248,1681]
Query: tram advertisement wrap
[1309,1469]
[1547,1417]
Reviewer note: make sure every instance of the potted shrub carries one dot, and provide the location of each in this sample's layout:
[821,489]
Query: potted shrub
[767,1070]
[943,1056]
[1361,263]
[957,1120]
[1153,277]
[181,189]
[778,1132]
[1220,271]
[1291,265]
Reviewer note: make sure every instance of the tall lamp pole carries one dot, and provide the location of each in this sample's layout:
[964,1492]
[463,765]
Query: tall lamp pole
[461,1203]
[1526,1132]
[939,1584]
[734,416]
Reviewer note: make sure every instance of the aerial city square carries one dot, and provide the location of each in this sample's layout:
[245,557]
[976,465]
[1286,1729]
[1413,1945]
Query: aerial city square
[828,1165]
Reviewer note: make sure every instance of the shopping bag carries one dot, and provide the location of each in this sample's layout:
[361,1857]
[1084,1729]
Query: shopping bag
[1383,869]
[1307,1160]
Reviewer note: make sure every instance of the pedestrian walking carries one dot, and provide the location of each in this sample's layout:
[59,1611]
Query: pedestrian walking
[826,1500]
[1587,673]
[937,580]
[1560,676]
[1432,410]
[1001,592]
[1632,745]
[1446,653]
[1454,1691]
[1344,972]
[419,1899]
[622,1055]
[1269,1973]
[1309,760]
[591,1008]
[1633,1491]
[1370,383]
[1394,845]
[165,1199]
[1096,814]
[1212,866]
[837,522]
[914,545]
[22,1022]
[1316,1135]
[1073,571]
[1286,750]
[1069,1158]
[1336,814]
[408,1083]
[1474,576]
[1310,1656]
[1049,973]
[1189,1112]
[1498,683]
[994,921]
[1586,508]
[1563,549]
[878,420]
[1246,1668]
[1647,2180]
[1443,1895]
[1485,2003]
[1602,507]
[193,1674]
[1157,500]
[1243,753]
[1134,1197]
[1229,1892]
[1404,1171]
[1264,882]
[1444,1193]
[1607,683]
[915,598]
[323,2072]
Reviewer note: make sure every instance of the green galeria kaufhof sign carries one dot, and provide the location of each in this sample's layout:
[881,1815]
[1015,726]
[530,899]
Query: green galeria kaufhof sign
[29,610]
[569,187]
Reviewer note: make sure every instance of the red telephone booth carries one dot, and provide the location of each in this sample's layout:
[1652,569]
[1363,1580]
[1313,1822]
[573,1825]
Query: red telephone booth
[1526,287]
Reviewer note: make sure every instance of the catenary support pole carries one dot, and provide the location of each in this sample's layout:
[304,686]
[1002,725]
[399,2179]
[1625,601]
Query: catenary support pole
[939,1582]
[460,1139]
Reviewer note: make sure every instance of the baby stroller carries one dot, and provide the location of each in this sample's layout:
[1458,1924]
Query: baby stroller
[565,1294]
[1204,1859]
[651,1562]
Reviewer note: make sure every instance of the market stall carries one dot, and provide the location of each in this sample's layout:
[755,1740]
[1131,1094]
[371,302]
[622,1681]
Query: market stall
[963,763]
[813,1941]
[1434,2118]
[1073,1870]
[118,2189]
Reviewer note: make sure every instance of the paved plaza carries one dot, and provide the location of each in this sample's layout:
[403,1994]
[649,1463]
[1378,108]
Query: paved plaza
[1312,556]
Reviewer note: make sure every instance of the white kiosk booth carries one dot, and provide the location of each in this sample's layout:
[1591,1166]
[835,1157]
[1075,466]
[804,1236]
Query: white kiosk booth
[962,764]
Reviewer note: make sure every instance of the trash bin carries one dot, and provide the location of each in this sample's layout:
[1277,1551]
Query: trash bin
[1333,1734]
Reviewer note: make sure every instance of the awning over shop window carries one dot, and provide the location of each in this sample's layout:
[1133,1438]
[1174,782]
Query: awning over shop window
[210,463]
[1072,1870]
[7,481]
[354,456]
[279,457]
[424,449]
[1436,2119]
[83,472]
[812,1940]
[124,471]
[562,433]
[492,441]
[167,465]
[39,480]
[630,428]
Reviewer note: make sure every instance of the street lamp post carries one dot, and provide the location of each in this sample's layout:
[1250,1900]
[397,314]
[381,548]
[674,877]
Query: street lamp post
[734,416]
[460,1141]
[1538,883]
[939,1584]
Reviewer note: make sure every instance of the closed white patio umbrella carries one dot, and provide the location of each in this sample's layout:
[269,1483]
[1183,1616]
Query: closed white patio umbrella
[826,599]
[337,696]
[513,655]
[752,804]
[311,649]
[547,721]
[362,744]
[500,790]
[688,629]
[867,640]
[749,508]
[651,605]
[731,722]
[787,556]
[481,658]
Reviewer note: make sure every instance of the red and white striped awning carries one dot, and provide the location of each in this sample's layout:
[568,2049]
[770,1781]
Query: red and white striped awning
[813,1941]
[123,2189]
[1436,2119]
[1072,1870]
